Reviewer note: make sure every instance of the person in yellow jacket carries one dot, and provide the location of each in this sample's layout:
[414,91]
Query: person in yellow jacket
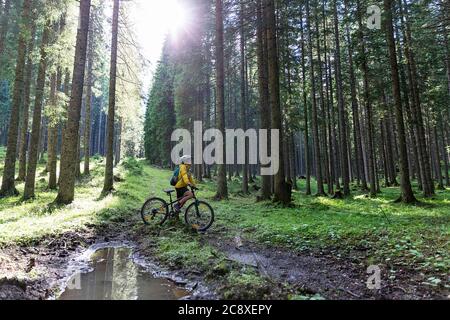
[185,180]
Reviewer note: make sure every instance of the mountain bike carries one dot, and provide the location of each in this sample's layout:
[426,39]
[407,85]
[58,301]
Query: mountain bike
[199,214]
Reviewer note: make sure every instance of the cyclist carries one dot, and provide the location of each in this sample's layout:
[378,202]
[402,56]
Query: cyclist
[185,180]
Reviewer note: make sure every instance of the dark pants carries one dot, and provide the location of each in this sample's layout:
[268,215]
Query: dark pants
[181,192]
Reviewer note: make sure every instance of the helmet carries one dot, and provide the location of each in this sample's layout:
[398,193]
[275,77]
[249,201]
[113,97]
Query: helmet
[186,159]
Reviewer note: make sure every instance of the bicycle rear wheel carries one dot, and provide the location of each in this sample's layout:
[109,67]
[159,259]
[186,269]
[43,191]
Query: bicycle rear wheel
[155,211]
[200,216]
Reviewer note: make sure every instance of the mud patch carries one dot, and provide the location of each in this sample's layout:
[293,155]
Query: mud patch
[42,270]
[322,272]
[115,275]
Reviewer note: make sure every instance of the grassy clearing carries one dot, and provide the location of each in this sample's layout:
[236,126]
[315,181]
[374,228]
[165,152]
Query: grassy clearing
[388,233]
[26,222]
[417,235]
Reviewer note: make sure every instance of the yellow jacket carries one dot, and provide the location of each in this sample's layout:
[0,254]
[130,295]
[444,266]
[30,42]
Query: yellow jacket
[185,177]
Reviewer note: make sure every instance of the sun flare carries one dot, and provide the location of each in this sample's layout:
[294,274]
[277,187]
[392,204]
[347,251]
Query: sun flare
[154,20]
[169,16]
[177,18]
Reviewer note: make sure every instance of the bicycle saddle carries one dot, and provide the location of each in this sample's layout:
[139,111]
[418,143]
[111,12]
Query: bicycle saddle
[169,191]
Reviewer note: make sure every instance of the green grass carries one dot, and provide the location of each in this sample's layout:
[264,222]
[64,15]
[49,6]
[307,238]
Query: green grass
[385,231]
[418,235]
[28,222]
[183,251]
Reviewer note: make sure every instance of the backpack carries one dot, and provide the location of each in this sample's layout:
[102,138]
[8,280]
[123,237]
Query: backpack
[174,179]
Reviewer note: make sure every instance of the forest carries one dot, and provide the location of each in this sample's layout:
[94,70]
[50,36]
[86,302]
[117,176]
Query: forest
[360,94]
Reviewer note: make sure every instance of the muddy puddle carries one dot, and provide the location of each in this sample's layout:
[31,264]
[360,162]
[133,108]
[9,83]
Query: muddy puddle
[114,274]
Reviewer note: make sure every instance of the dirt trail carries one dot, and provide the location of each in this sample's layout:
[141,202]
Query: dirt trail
[32,273]
[37,272]
[44,265]
[323,273]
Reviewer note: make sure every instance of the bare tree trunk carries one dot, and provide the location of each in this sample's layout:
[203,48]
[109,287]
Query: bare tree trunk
[4,26]
[444,152]
[118,149]
[67,76]
[427,181]
[410,117]
[329,95]
[8,184]
[333,143]
[368,106]
[26,108]
[342,112]
[282,190]
[293,162]
[37,117]
[53,126]
[355,109]
[323,127]
[53,133]
[390,158]
[69,147]
[243,100]
[87,128]
[446,15]
[384,153]
[109,170]
[222,188]
[315,127]
[305,109]
[407,195]
[263,89]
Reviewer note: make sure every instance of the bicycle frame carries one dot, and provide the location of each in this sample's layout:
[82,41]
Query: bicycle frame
[193,209]
[171,203]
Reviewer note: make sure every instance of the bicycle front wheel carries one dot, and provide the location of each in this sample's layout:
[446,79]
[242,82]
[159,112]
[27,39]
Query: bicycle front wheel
[200,216]
[155,212]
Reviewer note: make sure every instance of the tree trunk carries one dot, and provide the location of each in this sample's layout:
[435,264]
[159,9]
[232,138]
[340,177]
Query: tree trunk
[410,117]
[333,140]
[243,100]
[368,105]
[293,161]
[427,181]
[263,89]
[329,96]
[26,108]
[355,109]
[305,109]
[222,188]
[323,129]
[66,89]
[109,170]
[8,185]
[390,158]
[384,153]
[37,117]
[437,156]
[70,140]
[53,131]
[315,127]
[407,195]
[444,152]
[282,190]
[4,26]
[118,149]
[342,112]
[87,128]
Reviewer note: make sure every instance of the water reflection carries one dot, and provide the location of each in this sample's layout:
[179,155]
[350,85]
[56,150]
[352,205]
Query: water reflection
[117,277]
